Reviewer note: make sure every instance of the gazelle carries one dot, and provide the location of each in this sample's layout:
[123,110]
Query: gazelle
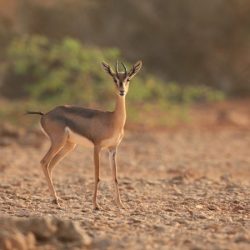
[67,126]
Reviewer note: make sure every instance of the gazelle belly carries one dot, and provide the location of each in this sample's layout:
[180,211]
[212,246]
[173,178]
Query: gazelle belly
[112,141]
[78,139]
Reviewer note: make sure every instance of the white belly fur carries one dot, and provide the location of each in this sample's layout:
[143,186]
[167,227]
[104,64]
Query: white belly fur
[113,141]
[81,140]
[78,139]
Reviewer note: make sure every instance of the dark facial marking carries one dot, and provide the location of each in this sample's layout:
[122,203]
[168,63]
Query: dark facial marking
[120,84]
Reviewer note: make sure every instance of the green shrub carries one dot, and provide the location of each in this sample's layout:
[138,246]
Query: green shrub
[66,71]
[62,71]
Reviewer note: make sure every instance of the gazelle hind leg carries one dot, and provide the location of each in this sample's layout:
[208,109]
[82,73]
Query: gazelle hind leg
[56,146]
[55,160]
[60,155]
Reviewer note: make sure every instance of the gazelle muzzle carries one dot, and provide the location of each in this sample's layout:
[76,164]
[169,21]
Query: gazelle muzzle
[122,92]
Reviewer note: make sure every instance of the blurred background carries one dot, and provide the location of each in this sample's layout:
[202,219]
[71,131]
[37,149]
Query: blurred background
[194,52]
[184,162]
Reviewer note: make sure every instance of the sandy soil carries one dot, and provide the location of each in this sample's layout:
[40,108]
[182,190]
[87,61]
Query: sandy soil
[185,190]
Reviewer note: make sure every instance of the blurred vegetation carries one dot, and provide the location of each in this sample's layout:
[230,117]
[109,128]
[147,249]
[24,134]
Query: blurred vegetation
[190,42]
[63,71]
[41,73]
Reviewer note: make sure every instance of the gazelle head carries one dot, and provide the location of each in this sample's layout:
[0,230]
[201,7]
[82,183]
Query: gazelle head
[122,79]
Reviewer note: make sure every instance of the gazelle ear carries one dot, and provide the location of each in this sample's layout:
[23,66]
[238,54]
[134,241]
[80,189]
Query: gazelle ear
[108,69]
[135,69]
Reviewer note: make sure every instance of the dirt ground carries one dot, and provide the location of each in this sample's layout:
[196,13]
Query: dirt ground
[184,189]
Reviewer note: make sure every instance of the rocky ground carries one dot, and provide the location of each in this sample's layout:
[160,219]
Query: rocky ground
[185,189]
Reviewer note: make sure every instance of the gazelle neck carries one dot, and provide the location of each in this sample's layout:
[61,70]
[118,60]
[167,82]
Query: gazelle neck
[120,111]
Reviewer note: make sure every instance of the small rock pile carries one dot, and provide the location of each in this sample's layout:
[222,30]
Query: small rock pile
[42,233]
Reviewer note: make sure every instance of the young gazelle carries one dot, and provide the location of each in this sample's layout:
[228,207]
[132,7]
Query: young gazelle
[67,126]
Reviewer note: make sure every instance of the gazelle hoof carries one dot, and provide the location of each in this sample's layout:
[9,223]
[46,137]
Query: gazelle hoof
[120,205]
[56,201]
[96,207]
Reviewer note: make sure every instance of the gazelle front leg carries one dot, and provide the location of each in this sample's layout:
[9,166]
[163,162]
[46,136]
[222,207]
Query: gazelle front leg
[96,162]
[112,159]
